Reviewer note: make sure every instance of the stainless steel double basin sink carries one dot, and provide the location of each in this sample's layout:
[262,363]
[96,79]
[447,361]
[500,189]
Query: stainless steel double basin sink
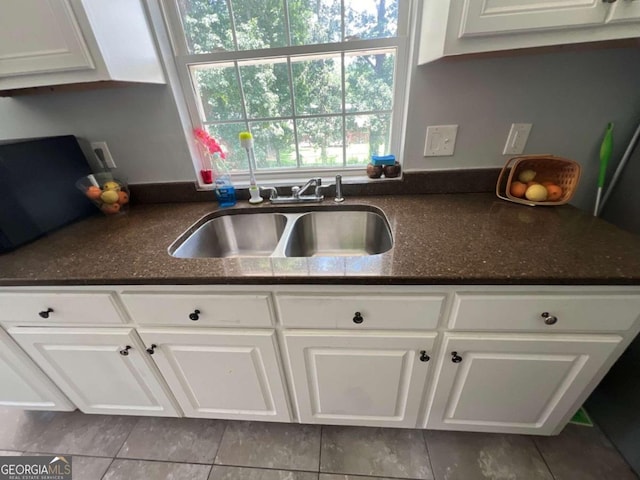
[321,231]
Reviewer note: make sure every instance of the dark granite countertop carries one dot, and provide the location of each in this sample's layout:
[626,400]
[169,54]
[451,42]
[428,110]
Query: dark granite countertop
[439,239]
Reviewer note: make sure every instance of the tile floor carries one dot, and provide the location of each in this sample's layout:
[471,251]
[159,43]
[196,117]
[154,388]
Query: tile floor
[132,448]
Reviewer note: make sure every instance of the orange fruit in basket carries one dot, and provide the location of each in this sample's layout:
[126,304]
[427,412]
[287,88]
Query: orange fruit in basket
[110,209]
[554,192]
[517,189]
[123,197]
[93,192]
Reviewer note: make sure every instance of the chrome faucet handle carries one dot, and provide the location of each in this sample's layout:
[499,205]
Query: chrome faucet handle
[338,198]
[273,192]
[295,192]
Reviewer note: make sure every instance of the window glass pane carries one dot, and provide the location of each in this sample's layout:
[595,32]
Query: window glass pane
[370,19]
[317,83]
[315,21]
[369,80]
[266,88]
[320,142]
[259,23]
[367,135]
[274,144]
[207,26]
[227,134]
[218,90]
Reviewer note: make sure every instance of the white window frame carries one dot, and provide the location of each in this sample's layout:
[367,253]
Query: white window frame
[290,176]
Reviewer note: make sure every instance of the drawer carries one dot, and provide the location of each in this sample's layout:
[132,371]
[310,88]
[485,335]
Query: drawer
[52,307]
[199,309]
[379,311]
[575,312]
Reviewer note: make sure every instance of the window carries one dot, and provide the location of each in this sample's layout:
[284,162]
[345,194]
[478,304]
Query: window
[319,83]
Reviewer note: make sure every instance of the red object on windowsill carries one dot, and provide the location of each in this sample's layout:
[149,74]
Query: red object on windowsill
[207,176]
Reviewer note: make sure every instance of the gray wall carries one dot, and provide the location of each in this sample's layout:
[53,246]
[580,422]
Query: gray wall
[140,124]
[568,96]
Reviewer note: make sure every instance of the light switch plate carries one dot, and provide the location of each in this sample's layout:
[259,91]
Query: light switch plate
[440,140]
[517,139]
[106,154]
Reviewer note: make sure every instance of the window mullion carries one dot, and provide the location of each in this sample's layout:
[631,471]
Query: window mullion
[344,109]
[295,50]
[233,24]
[287,25]
[293,111]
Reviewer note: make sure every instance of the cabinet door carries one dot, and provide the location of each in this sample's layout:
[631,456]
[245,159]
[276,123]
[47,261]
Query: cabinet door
[514,383]
[364,378]
[625,11]
[221,373]
[22,383]
[490,17]
[96,371]
[38,36]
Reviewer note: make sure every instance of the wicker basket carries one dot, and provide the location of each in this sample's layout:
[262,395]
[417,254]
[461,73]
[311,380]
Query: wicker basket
[563,172]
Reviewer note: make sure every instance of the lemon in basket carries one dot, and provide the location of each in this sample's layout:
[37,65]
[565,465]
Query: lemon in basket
[536,193]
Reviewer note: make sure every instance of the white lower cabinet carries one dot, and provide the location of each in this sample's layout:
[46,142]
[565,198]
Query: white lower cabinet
[22,383]
[489,359]
[359,378]
[102,370]
[216,373]
[524,383]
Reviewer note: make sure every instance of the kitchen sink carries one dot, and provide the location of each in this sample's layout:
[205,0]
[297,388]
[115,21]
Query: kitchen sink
[329,231]
[242,235]
[339,233]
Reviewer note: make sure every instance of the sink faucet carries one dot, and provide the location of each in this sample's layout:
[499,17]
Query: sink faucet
[297,192]
[300,195]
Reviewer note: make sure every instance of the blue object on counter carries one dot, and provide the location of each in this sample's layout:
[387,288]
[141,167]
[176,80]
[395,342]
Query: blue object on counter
[225,192]
[383,159]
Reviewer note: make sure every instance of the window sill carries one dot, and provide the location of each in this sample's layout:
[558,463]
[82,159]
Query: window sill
[297,181]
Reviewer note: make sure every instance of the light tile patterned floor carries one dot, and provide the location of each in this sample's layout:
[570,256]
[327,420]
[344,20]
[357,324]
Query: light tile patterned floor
[128,448]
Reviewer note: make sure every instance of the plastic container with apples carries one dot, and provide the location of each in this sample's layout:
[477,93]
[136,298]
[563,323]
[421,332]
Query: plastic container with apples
[108,192]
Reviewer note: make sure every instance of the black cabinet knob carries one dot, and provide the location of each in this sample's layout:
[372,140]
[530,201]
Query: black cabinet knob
[125,351]
[357,318]
[195,315]
[455,358]
[423,356]
[549,319]
[45,313]
[152,349]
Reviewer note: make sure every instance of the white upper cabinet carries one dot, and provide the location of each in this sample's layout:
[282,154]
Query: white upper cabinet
[625,11]
[458,27]
[502,16]
[41,36]
[55,42]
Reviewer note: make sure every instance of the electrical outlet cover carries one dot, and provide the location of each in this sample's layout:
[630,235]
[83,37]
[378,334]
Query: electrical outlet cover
[517,139]
[440,140]
[108,159]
